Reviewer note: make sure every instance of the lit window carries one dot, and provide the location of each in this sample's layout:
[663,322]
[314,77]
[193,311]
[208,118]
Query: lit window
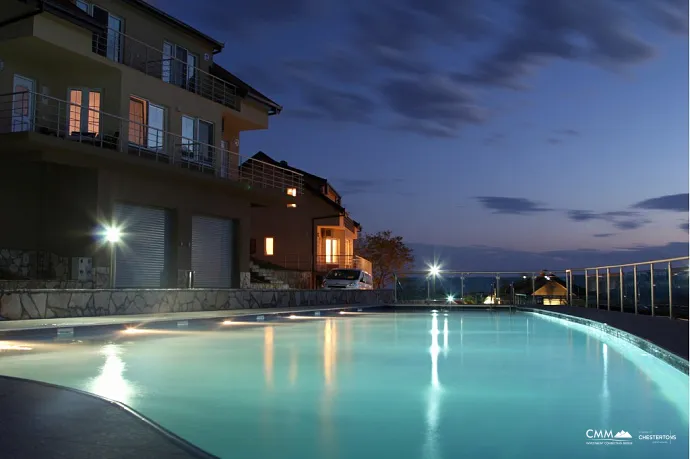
[84,112]
[331,250]
[292,205]
[269,246]
[292,191]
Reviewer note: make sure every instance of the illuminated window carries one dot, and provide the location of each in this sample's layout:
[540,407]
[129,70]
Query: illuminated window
[268,246]
[84,112]
[331,250]
[292,191]
[292,205]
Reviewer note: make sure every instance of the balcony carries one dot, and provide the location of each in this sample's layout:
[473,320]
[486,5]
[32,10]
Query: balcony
[164,65]
[74,123]
[325,263]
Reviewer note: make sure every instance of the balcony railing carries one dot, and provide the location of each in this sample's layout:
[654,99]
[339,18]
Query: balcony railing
[166,66]
[30,111]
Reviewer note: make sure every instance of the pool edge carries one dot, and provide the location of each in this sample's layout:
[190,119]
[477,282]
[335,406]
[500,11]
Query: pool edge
[667,356]
[141,420]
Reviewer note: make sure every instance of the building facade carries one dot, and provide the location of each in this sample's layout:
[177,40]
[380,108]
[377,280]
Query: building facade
[314,233]
[114,115]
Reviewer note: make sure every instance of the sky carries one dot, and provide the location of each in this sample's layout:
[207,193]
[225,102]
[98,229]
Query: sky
[488,134]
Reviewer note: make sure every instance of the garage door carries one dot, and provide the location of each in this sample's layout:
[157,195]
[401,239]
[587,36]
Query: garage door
[140,261]
[211,252]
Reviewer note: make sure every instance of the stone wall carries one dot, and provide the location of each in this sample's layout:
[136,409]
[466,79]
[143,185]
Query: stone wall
[47,304]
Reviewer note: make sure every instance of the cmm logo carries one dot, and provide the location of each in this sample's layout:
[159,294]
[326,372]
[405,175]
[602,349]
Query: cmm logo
[607,437]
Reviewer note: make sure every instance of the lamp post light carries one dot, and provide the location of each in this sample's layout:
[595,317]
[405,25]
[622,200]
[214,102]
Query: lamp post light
[434,271]
[113,235]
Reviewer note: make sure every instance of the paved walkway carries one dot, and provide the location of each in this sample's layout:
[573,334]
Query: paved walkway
[666,333]
[40,420]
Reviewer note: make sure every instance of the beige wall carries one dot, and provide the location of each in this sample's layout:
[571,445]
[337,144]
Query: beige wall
[152,31]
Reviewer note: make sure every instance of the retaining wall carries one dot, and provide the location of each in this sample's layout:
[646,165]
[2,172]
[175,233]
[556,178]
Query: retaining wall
[54,303]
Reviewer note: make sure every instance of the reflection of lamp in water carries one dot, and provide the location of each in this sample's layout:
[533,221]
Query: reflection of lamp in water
[268,356]
[434,396]
[329,351]
[445,336]
[605,406]
[110,383]
[293,365]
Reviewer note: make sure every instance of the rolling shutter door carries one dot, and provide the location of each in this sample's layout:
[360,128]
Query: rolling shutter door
[211,252]
[140,261]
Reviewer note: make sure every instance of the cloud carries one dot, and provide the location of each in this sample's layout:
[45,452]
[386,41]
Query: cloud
[672,202]
[568,132]
[593,31]
[484,258]
[324,103]
[436,107]
[348,187]
[684,226]
[514,206]
[493,139]
[620,219]
[554,141]
[604,234]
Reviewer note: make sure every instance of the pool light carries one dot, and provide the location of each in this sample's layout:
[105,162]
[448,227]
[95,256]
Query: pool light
[292,316]
[226,322]
[133,331]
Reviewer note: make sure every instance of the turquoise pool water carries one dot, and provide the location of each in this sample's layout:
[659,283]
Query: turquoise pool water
[464,385]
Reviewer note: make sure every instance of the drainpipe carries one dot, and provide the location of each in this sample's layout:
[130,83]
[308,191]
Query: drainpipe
[21,17]
[313,246]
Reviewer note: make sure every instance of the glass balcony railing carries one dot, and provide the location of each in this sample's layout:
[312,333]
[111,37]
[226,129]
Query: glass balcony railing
[174,65]
[83,123]
[655,288]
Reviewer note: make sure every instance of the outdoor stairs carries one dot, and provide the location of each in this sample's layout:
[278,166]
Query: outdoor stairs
[265,279]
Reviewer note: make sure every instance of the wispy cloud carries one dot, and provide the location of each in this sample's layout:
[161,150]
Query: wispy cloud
[507,205]
[621,219]
[672,202]
[604,234]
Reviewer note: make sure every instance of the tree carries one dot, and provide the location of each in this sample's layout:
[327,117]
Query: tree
[388,254]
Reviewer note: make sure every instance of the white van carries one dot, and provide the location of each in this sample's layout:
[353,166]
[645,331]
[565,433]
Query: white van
[351,279]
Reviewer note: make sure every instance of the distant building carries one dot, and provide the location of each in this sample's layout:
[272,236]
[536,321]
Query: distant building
[314,234]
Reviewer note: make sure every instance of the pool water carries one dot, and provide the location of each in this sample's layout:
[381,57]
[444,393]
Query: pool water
[464,385]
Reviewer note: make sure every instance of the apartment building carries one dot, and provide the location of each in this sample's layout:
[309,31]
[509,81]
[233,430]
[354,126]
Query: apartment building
[313,233]
[113,114]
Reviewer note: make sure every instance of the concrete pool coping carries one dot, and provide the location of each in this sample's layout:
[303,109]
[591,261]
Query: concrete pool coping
[68,423]
[50,328]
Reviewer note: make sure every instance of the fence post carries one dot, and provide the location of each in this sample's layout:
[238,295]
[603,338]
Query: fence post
[596,275]
[670,291]
[651,286]
[635,286]
[395,288]
[621,278]
[608,289]
[586,289]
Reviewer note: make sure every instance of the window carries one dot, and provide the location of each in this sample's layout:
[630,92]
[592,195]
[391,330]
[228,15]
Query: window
[197,140]
[108,43]
[331,250]
[84,115]
[293,205]
[179,66]
[268,246]
[292,191]
[147,122]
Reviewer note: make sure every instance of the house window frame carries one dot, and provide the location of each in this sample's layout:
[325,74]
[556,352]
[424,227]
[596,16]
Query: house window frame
[85,110]
[170,75]
[87,7]
[331,254]
[192,151]
[159,148]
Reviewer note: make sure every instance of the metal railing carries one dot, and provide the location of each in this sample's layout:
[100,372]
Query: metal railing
[657,287]
[81,123]
[166,66]
[323,263]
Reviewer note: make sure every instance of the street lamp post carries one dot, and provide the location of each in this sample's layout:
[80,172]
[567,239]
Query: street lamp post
[113,236]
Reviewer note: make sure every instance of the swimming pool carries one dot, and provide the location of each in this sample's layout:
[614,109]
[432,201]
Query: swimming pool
[420,385]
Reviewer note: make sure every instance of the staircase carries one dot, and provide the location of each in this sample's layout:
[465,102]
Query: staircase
[264,279]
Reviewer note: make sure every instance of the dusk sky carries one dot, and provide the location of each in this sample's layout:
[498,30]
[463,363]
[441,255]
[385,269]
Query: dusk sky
[503,133]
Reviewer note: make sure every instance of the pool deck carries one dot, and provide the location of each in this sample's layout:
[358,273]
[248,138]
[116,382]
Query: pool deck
[669,334]
[46,421]
[142,319]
